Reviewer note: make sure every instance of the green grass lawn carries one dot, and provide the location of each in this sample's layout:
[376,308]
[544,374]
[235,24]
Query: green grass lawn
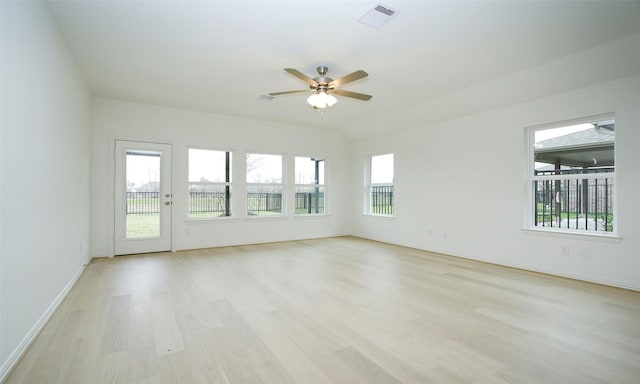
[572,216]
[382,209]
[143,226]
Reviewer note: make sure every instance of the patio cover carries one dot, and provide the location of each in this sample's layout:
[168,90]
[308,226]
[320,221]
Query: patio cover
[592,147]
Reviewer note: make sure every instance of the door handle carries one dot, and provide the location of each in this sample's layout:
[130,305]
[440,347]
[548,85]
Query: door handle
[167,203]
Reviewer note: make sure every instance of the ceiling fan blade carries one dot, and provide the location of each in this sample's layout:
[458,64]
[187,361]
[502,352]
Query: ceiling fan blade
[354,95]
[287,92]
[301,76]
[357,75]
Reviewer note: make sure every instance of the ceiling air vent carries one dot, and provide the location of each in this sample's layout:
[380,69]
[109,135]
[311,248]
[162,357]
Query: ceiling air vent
[378,16]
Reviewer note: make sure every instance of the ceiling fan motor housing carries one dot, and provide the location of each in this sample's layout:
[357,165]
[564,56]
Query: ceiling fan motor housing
[322,82]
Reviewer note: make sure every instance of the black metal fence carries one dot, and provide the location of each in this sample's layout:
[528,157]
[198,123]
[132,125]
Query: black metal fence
[309,202]
[207,203]
[585,204]
[201,203]
[147,203]
[264,203]
[382,199]
[143,203]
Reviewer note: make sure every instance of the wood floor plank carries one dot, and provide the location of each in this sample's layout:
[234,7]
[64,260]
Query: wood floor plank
[367,368]
[116,335]
[337,310]
[168,338]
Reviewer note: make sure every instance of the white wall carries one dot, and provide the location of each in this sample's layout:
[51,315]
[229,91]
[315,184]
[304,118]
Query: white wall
[466,177]
[45,174]
[113,120]
[51,168]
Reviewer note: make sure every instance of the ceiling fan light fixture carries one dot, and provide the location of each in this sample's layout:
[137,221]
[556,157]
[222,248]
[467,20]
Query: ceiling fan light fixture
[324,87]
[321,100]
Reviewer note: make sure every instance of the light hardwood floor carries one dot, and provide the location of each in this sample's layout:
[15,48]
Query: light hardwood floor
[340,310]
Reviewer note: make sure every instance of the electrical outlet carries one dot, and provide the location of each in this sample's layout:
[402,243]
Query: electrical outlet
[564,250]
[430,233]
[445,235]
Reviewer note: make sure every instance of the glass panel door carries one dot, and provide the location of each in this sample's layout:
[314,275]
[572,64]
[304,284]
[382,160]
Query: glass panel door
[143,197]
[143,194]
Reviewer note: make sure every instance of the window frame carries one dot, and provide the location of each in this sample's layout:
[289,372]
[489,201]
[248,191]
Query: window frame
[282,185]
[315,184]
[228,186]
[531,178]
[368,209]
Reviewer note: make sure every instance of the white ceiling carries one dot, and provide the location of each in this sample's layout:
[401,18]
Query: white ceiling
[435,60]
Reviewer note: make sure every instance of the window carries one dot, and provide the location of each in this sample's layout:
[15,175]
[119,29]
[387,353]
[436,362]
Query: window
[209,183]
[572,180]
[310,188]
[381,185]
[264,185]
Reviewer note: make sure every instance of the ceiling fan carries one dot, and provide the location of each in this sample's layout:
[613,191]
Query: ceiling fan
[324,87]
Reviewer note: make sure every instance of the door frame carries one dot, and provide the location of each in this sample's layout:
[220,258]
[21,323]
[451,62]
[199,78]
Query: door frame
[122,246]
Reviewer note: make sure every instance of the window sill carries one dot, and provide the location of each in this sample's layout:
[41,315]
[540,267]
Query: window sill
[267,217]
[608,238]
[373,215]
[311,216]
[207,220]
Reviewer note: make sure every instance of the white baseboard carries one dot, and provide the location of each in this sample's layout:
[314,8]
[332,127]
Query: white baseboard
[589,279]
[13,359]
